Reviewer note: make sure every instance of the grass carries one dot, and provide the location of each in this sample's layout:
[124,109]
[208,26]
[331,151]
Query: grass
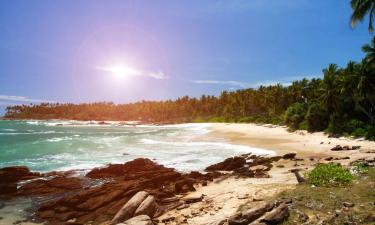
[324,204]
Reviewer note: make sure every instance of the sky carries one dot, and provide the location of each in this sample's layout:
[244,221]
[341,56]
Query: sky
[125,51]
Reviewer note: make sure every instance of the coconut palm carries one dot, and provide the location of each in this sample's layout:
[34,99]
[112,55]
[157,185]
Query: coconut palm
[369,49]
[360,9]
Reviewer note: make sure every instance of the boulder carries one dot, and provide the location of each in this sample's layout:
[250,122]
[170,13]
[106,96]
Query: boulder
[147,207]
[250,215]
[277,215]
[289,155]
[127,211]
[138,220]
[184,185]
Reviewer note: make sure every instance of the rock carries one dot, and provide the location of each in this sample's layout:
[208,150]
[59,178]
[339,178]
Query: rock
[277,215]
[138,220]
[228,164]
[183,206]
[259,168]
[289,155]
[180,219]
[168,219]
[10,176]
[337,148]
[185,185]
[348,204]
[355,147]
[346,147]
[250,215]
[193,199]
[147,207]
[280,166]
[115,170]
[303,217]
[127,211]
[328,158]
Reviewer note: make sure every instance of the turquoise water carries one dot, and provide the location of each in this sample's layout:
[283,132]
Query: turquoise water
[63,145]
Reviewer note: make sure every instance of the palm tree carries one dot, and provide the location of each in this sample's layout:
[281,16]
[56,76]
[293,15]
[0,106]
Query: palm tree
[369,49]
[360,9]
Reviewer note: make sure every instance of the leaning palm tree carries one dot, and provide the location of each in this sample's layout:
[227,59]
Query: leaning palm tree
[360,9]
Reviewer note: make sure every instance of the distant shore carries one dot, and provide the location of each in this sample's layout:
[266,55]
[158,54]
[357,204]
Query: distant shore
[280,140]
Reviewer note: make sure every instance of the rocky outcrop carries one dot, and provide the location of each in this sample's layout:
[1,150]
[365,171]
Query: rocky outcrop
[147,207]
[103,192]
[127,211]
[228,164]
[10,176]
[248,165]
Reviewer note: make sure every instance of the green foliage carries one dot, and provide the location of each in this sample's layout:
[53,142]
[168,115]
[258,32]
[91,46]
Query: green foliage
[329,175]
[316,117]
[360,167]
[295,115]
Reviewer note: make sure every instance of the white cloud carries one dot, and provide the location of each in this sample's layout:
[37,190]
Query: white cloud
[157,75]
[228,82]
[14,98]
[284,81]
[121,71]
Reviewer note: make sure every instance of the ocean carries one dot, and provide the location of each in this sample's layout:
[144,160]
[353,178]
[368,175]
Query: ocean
[65,145]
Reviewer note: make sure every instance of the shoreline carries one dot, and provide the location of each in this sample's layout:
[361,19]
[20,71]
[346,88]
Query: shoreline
[225,194]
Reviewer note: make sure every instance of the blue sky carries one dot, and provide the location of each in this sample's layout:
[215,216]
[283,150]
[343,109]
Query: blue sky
[65,50]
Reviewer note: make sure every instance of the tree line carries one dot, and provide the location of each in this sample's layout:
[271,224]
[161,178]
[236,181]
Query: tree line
[342,102]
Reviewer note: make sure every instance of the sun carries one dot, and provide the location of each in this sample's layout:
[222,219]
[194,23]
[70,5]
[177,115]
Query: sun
[121,71]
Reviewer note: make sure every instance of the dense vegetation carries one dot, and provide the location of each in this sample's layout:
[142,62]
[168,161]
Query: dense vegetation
[343,102]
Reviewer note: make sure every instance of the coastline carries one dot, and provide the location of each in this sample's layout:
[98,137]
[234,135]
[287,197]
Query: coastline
[280,140]
[225,194]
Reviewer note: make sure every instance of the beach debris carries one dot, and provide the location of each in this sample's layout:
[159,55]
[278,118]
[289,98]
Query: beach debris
[348,204]
[300,179]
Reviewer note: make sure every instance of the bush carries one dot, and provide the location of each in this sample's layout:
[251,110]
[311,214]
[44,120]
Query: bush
[294,115]
[328,175]
[316,117]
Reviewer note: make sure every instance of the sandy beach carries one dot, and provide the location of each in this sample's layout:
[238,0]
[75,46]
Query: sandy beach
[224,197]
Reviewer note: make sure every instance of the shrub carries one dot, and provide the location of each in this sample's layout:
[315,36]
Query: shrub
[294,115]
[328,175]
[316,117]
